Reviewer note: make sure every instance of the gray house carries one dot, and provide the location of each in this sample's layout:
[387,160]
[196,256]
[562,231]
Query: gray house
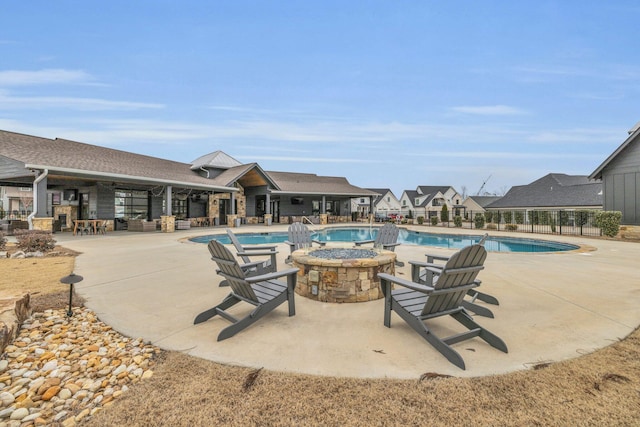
[552,191]
[620,175]
[76,181]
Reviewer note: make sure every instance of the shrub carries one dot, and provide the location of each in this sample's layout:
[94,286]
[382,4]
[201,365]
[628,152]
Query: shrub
[552,222]
[608,222]
[491,226]
[3,241]
[564,218]
[421,220]
[444,214]
[488,216]
[582,218]
[434,220]
[479,220]
[457,221]
[34,240]
[511,227]
[508,217]
[519,217]
[496,217]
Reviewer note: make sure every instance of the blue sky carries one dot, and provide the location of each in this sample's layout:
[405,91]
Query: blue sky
[389,94]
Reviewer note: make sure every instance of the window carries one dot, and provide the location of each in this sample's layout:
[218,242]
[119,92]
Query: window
[388,198]
[417,202]
[179,208]
[362,200]
[132,204]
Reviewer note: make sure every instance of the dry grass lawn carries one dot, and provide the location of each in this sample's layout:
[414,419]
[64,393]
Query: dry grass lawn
[602,388]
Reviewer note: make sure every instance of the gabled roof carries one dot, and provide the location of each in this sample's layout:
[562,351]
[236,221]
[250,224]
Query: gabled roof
[484,201]
[426,191]
[381,191]
[78,159]
[634,137]
[553,191]
[306,183]
[216,160]
[249,175]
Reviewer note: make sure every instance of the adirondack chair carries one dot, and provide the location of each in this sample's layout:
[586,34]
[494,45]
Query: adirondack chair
[417,302]
[387,237]
[263,291]
[420,274]
[245,253]
[299,235]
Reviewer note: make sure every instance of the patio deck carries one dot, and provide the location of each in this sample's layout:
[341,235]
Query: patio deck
[554,306]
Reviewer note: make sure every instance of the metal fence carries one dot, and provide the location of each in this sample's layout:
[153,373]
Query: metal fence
[568,222]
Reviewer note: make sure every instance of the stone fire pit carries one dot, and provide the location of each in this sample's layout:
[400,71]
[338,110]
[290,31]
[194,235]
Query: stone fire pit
[342,274]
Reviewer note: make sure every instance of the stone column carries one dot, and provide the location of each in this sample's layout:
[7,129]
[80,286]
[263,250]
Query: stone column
[231,220]
[168,223]
[324,219]
[268,218]
[43,224]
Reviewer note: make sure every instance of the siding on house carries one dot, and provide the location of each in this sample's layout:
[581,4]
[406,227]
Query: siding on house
[620,174]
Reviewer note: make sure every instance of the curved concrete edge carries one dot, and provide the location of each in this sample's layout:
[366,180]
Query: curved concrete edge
[553,306]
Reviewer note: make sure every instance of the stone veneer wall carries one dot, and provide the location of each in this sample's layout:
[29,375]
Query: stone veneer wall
[43,224]
[353,280]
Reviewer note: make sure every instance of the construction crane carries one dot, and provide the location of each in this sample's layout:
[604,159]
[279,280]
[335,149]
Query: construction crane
[479,193]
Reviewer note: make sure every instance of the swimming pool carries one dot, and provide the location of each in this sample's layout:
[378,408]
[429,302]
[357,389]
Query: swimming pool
[352,234]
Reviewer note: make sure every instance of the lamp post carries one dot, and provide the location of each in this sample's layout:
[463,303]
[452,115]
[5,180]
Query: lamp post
[71,280]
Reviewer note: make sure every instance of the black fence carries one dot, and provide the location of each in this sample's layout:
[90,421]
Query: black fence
[568,222]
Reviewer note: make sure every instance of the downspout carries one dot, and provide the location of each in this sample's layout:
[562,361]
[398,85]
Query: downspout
[38,179]
[205,170]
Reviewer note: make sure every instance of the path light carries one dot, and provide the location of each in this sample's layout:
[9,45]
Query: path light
[70,280]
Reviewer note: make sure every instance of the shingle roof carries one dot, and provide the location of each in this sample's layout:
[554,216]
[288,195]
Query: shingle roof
[634,137]
[92,160]
[217,159]
[426,191]
[305,183]
[552,191]
[484,201]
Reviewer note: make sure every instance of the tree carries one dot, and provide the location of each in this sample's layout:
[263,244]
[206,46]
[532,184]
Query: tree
[444,213]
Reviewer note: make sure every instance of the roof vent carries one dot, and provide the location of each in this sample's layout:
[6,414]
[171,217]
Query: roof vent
[634,128]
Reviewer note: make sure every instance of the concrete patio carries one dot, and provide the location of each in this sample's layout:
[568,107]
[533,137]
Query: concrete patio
[553,306]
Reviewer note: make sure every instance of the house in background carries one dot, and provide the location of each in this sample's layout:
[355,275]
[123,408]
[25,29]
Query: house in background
[70,181]
[620,175]
[15,202]
[477,204]
[427,201]
[385,203]
[555,191]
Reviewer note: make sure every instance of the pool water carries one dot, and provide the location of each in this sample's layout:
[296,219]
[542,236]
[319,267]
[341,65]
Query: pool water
[353,234]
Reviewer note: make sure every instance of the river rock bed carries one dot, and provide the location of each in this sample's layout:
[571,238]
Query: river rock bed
[61,370]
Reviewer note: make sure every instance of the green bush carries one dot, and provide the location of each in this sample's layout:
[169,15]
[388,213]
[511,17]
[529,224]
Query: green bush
[564,218]
[434,220]
[479,220]
[508,216]
[608,222]
[511,227]
[582,218]
[496,217]
[421,220]
[444,214]
[34,240]
[3,241]
[488,216]
[491,226]
[519,217]
[457,221]
[552,222]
